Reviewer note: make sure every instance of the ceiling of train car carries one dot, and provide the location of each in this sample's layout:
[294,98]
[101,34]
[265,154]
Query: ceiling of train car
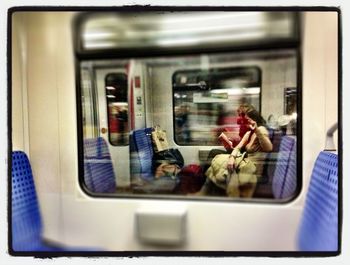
[183,29]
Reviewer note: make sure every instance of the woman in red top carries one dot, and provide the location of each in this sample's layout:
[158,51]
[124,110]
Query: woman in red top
[255,143]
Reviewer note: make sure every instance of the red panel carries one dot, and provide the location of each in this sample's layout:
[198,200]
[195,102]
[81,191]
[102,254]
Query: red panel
[137,82]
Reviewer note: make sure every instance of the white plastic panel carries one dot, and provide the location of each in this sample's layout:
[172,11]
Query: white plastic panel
[161,225]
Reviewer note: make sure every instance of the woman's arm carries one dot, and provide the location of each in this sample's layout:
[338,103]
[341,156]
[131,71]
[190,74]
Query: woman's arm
[242,143]
[263,137]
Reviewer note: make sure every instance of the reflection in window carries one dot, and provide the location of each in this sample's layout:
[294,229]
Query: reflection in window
[117,104]
[89,119]
[194,97]
[290,98]
[194,100]
[206,102]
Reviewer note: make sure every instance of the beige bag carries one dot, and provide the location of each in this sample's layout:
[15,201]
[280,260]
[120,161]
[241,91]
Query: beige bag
[245,169]
[244,174]
[159,139]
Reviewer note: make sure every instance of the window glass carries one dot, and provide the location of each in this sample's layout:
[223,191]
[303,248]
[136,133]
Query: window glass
[117,104]
[206,102]
[185,111]
[171,30]
[88,106]
[190,121]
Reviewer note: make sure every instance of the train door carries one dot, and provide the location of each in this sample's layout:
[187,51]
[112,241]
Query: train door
[112,101]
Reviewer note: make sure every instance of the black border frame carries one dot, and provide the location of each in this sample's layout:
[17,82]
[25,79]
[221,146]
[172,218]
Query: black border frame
[12,10]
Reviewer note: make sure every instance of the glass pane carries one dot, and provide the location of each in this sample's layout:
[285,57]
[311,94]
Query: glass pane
[206,102]
[186,110]
[130,30]
[117,104]
[89,112]
[171,117]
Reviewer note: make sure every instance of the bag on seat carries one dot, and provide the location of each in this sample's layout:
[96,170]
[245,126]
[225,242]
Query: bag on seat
[159,139]
[191,179]
[231,182]
[170,156]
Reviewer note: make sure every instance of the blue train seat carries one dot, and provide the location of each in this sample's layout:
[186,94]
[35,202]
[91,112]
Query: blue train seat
[319,224]
[285,163]
[141,157]
[26,219]
[290,182]
[98,168]
[264,185]
[141,150]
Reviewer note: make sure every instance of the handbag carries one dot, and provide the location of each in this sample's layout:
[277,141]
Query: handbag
[159,139]
[170,156]
[244,170]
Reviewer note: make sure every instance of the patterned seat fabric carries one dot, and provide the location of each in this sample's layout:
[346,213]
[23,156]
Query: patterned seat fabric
[26,220]
[290,183]
[142,153]
[98,168]
[264,187]
[319,223]
[141,157]
[285,168]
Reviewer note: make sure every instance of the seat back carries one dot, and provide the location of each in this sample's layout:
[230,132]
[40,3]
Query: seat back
[283,164]
[26,220]
[141,153]
[264,185]
[290,182]
[98,168]
[319,224]
[276,137]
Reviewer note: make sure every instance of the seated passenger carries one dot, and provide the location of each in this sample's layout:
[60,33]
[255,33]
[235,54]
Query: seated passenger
[255,142]
[230,143]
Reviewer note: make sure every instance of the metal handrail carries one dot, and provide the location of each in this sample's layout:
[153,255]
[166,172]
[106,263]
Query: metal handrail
[330,146]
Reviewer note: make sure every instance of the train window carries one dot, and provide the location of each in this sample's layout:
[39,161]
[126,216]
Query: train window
[172,115]
[117,108]
[290,97]
[89,118]
[205,102]
[129,31]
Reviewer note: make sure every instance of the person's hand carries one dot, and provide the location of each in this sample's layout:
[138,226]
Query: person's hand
[252,125]
[231,145]
[231,164]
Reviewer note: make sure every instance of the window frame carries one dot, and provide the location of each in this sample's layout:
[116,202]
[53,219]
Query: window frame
[115,54]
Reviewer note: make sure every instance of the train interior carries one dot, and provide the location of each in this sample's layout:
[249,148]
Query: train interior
[115,116]
[200,115]
[206,90]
